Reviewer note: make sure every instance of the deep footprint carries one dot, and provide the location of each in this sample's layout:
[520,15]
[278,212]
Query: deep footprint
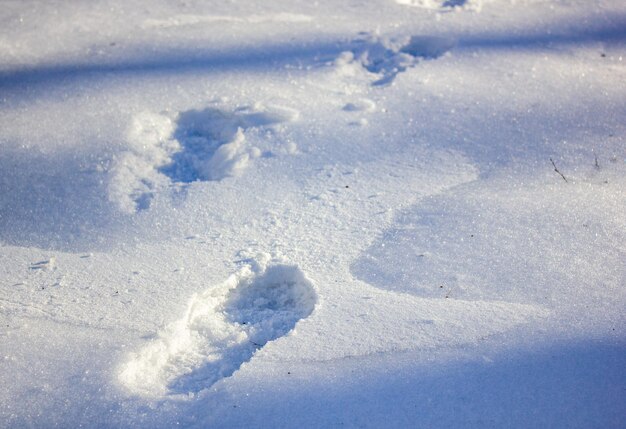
[223,328]
[195,145]
[211,142]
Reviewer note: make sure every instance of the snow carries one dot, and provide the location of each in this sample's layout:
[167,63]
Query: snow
[313,214]
[222,328]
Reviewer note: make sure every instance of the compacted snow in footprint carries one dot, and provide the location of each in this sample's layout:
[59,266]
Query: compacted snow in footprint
[392,213]
[222,329]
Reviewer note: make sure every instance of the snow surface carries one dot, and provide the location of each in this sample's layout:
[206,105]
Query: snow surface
[385,213]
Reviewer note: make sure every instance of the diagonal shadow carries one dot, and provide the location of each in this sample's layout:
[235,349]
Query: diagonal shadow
[258,56]
[173,61]
[600,32]
[575,385]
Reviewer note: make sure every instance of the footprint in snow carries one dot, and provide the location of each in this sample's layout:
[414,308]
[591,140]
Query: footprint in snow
[444,5]
[387,57]
[195,145]
[222,329]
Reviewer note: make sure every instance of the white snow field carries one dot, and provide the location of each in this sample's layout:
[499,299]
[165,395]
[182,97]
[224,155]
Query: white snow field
[313,214]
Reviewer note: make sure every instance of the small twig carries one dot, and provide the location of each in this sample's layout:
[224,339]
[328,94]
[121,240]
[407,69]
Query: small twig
[557,170]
